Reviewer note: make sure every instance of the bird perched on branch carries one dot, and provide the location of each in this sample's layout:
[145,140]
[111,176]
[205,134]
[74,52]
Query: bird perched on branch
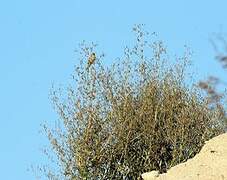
[91,60]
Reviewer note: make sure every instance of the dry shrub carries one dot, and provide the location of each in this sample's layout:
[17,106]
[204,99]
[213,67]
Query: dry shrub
[136,116]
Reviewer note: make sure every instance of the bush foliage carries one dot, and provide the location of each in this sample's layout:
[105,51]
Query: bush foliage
[136,116]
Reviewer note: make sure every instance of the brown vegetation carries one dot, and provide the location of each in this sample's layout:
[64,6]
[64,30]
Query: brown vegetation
[134,117]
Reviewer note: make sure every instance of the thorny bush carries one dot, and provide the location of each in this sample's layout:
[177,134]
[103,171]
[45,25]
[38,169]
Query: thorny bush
[136,116]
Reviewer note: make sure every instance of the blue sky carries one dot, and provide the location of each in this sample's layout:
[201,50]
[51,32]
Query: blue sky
[37,43]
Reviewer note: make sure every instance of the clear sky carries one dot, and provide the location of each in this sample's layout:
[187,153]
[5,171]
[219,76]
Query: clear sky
[37,43]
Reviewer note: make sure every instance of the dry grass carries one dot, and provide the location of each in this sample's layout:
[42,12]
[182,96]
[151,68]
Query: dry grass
[136,116]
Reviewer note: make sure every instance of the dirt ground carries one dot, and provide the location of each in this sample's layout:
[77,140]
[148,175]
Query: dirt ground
[209,164]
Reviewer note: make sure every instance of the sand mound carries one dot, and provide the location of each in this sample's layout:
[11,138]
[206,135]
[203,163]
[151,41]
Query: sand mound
[209,164]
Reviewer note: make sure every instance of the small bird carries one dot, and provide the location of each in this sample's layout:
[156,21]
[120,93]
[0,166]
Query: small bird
[91,60]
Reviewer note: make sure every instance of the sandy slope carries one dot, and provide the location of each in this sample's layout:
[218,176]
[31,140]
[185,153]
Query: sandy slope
[209,164]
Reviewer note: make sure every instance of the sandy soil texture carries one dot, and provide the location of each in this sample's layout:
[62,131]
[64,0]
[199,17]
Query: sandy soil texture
[209,164]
